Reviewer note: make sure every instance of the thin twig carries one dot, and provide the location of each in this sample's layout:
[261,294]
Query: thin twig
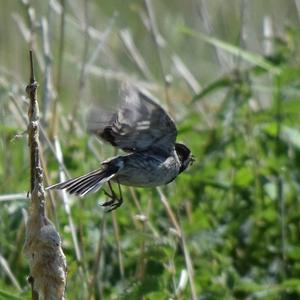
[140,269]
[98,257]
[65,198]
[6,268]
[29,31]
[59,71]
[134,53]
[92,31]
[268,34]
[225,60]
[82,76]
[186,74]
[48,85]
[181,236]
[13,197]
[117,238]
[154,34]
[103,40]
[279,184]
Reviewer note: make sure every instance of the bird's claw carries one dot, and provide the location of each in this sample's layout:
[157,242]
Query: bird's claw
[108,202]
[114,206]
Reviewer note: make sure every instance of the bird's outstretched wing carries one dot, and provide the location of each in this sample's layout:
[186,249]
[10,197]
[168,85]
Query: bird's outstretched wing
[139,124]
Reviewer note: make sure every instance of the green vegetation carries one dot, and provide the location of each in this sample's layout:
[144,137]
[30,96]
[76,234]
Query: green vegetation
[237,206]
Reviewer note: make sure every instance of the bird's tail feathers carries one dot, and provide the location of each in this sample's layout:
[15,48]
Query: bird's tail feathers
[88,183]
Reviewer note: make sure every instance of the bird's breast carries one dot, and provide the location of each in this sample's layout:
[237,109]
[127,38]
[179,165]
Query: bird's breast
[144,170]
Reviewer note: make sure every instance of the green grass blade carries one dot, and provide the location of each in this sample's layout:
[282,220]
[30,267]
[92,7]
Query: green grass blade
[250,57]
[214,86]
[8,296]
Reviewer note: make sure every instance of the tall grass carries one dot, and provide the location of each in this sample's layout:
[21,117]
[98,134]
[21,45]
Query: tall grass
[227,228]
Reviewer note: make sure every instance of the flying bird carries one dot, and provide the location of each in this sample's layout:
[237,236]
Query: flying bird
[143,129]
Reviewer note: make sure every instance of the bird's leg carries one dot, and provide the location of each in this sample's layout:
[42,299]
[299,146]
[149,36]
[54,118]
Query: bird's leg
[118,199]
[115,200]
[110,196]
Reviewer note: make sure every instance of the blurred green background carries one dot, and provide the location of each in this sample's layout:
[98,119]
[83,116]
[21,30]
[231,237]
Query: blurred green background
[229,73]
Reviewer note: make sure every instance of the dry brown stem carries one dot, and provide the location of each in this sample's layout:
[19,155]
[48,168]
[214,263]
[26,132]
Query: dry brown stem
[42,245]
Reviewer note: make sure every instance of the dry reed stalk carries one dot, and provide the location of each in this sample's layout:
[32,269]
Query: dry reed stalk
[42,244]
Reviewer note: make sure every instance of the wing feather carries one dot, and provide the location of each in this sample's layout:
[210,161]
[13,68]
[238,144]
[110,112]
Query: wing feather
[139,124]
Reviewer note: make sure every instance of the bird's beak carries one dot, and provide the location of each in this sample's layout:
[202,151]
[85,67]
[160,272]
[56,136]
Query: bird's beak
[193,159]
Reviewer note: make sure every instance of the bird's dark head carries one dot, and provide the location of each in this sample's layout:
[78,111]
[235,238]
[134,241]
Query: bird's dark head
[185,156]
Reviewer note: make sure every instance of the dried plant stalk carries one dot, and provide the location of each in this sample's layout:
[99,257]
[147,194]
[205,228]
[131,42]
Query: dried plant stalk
[42,245]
